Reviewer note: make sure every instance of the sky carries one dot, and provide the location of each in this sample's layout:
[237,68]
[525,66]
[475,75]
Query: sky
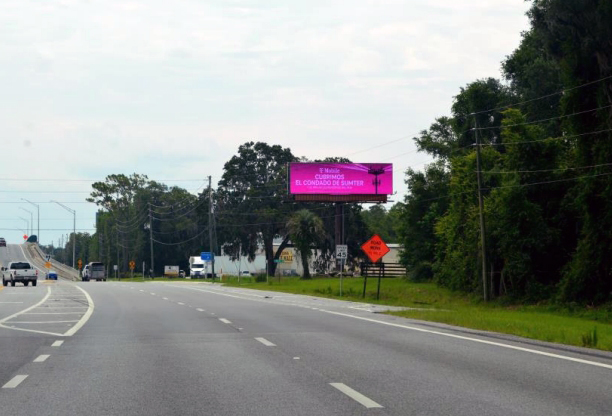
[171,89]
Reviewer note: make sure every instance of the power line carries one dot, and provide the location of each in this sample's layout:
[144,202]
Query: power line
[548,182]
[547,139]
[548,170]
[542,120]
[563,91]
[184,241]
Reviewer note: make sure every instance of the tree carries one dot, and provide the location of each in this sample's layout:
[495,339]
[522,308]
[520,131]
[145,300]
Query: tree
[305,230]
[251,200]
[577,35]
[425,204]
[382,222]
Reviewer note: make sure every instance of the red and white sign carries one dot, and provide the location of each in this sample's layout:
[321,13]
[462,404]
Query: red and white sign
[375,248]
[25,237]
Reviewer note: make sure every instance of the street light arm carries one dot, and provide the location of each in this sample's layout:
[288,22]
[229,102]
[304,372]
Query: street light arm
[65,207]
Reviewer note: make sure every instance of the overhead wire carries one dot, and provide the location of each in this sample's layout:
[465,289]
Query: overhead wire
[560,92]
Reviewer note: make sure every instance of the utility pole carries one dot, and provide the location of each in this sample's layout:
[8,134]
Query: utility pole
[483,237]
[210,227]
[151,240]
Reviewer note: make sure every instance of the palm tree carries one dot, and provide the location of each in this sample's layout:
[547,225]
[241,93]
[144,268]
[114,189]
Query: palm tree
[305,230]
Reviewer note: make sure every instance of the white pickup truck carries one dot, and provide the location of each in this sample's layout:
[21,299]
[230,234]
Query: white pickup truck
[19,271]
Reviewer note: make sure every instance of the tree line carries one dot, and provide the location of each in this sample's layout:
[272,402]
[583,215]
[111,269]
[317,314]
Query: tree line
[544,132]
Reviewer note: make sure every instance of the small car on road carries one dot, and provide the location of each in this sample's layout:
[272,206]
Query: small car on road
[51,275]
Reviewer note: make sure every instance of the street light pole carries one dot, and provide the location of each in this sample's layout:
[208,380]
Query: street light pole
[27,223]
[37,216]
[31,218]
[73,230]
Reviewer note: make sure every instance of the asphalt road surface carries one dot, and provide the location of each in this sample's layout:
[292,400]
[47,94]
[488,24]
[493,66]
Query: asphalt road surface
[107,348]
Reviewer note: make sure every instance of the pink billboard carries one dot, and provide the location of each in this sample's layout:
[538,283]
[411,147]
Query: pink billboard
[341,178]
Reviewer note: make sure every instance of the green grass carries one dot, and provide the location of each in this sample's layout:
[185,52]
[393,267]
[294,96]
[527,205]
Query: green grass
[565,324]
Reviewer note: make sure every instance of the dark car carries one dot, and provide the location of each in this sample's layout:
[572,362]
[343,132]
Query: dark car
[2,242]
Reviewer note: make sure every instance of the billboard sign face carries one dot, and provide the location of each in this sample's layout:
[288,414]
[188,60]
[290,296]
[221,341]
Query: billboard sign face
[341,178]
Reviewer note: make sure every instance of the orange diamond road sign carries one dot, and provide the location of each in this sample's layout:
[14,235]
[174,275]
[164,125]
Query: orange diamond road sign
[132,265]
[80,263]
[48,265]
[375,248]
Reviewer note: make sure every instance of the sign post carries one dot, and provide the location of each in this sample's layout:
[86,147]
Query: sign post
[341,254]
[116,269]
[375,248]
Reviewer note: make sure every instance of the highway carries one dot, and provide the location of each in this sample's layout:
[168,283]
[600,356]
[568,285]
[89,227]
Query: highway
[193,348]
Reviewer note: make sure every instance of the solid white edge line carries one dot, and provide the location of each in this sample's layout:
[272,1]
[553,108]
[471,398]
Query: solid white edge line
[225,321]
[481,341]
[57,343]
[41,358]
[15,381]
[355,395]
[265,342]
[85,317]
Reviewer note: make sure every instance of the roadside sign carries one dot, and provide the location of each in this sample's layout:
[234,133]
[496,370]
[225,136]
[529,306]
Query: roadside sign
[132,265]
[375,248]
[115,267]
[25,237]
[279,261]
[80,263]
[48,265]
[206,256]
[341,251]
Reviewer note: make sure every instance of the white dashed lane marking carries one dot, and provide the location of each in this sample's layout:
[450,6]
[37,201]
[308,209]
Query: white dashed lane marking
[265,342]
[225,321]
[41,358]
[15,381]
[57,344]
[355,395]
[200,310]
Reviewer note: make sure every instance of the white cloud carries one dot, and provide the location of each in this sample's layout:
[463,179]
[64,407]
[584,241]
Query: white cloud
[97,87]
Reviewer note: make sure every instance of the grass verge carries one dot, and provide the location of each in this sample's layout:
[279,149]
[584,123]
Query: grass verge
[568,324]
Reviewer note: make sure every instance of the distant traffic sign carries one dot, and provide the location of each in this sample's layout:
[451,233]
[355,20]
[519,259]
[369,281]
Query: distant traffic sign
[48,265]
[80,263]
[206,256]
[279,261]
[341,251]
[132,265]
[375,248]
[25,237]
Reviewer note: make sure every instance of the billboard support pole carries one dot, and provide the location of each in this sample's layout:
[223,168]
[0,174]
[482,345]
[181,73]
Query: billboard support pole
[338,229]
[380,269]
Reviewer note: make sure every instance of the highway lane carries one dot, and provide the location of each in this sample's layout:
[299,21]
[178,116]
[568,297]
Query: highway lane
[184,348]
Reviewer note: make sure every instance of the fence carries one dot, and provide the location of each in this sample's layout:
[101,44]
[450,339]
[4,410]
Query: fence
[388,269]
